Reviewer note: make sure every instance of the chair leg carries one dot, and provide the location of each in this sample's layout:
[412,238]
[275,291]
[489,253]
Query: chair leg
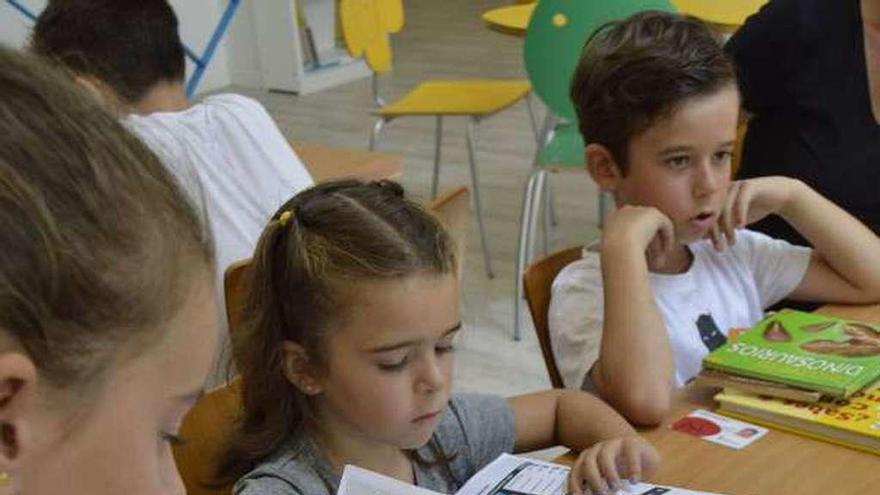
[547,218]
[377,129]
[551,205]
[522,252]
[534,221]
[476,185]
[438,138]
[526,223]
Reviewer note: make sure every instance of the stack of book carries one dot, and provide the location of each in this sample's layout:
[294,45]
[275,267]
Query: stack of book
[803,372]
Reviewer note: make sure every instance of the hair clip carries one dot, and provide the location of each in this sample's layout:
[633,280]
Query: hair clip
[285,217]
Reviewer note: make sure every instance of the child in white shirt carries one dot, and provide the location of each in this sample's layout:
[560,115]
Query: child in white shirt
[658,107]
[225,150]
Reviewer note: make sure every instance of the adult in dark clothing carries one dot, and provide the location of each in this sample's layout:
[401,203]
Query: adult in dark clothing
[809,72]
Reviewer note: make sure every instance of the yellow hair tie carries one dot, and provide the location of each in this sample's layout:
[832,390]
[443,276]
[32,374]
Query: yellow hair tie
[284,218]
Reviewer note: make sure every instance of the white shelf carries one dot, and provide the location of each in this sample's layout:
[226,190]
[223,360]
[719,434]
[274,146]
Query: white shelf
[284,59]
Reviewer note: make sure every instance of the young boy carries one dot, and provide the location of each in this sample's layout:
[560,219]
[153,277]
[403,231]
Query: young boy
[225,147]
[658,106]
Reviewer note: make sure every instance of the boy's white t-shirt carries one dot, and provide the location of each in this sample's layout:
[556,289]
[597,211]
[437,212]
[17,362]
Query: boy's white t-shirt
[720,291]
[227,152]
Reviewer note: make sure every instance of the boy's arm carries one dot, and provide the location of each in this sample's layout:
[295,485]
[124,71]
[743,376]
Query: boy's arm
[634,372]
[845,266]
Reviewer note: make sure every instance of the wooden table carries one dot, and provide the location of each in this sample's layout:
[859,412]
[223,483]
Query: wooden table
[329,162]
[779,463]
[728,14]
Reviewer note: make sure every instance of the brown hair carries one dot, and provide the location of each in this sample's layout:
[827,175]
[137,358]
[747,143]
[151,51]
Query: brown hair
[87,268]
[130,45]
[318,244]
[637,70]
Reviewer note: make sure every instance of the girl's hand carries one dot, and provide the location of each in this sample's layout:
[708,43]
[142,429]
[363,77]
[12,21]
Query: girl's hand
[601,468]
[749,201]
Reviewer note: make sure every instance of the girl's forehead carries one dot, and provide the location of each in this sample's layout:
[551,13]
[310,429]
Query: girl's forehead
[412,308]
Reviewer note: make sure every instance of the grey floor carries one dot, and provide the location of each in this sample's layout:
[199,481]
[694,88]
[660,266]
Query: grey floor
[447,39]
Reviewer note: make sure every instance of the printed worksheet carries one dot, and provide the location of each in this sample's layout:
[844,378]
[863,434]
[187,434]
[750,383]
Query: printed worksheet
[506,475]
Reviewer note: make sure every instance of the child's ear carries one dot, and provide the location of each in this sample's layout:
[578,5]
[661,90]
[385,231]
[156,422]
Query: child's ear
[602,167]
[18,380]
[300,369]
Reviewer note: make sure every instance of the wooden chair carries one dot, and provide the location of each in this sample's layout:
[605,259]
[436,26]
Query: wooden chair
[235,290]
[206,429]
[452,208]
[537,282]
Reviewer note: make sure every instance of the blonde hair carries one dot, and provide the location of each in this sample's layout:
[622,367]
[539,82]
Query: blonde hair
[88,267]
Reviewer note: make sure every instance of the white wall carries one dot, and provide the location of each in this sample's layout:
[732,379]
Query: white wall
[197,19]
[243,55]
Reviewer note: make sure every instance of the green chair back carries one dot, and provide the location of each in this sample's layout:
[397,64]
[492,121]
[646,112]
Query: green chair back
[555,38]
[565,149]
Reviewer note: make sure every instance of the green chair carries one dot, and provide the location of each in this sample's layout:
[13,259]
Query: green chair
[554,40]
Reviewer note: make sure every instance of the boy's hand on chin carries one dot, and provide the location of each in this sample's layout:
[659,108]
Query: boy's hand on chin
[751,200]
[642,228]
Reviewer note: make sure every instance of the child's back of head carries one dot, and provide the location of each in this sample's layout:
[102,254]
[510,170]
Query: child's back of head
[128,45]
[97,301]
[638,70]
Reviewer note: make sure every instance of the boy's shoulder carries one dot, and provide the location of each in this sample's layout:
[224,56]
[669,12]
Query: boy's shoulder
[583,272]
[236,106]
[748,244]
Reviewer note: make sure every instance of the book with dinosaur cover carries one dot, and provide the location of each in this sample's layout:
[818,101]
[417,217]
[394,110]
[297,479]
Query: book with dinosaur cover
[853,422]
[721,380]
[829,355]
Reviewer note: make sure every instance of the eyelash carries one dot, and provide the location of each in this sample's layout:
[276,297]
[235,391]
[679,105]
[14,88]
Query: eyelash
[677,161]
[173,439]
[444,349]
[724,155]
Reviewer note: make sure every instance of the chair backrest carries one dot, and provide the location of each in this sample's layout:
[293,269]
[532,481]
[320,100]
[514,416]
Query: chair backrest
[235,289]
[538,280]
[206,428]
[453,209]
[366,26]
[555,39]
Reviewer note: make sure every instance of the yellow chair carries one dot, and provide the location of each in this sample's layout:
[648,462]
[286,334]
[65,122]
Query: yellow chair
[366,26]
